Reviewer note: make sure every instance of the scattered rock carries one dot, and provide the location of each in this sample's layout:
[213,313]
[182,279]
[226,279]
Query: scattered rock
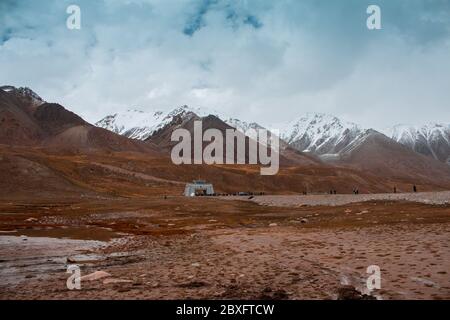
[195,264]
[273,225]
[31,220]
[304,220]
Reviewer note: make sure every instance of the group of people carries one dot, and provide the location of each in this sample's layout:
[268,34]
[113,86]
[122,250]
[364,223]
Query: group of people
[414,189]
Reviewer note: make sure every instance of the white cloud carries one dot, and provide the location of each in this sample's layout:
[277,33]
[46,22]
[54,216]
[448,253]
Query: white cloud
[264,61]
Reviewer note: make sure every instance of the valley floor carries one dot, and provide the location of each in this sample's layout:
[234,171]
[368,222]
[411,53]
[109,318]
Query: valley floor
[212,248]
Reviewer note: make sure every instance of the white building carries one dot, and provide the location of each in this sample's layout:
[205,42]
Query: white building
[198,188]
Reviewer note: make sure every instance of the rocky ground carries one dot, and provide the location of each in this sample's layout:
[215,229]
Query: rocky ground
[341,199]
[178,248]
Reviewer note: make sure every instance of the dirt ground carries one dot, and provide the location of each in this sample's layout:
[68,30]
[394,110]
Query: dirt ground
[213,248]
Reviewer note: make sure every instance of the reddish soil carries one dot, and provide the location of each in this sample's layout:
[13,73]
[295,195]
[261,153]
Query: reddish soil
[182,248]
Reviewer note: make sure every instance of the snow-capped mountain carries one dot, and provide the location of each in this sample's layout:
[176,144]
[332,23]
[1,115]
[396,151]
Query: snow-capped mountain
[137,124]
[240,125]
[319,133]
[25,94]
[431,139]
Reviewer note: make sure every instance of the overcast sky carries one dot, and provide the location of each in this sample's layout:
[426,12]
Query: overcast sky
[267,61]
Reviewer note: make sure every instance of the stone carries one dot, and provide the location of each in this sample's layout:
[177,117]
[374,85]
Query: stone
[95,276]
[113,280]
[273,225]
[350,293]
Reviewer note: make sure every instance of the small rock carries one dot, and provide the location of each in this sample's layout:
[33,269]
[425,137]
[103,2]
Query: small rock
[273,225]
[304,220]
[195,264]
[95,276]
[350,293]
[113,280]
[70,260]
[31,220]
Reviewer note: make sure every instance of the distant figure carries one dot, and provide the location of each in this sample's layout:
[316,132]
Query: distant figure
[334,191]
[357,191]
[414,188]
[395,189]
[331,191]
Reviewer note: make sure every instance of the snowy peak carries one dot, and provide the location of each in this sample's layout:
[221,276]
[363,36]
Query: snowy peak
[432,139]
[137,124]
[25,94]
[141,125]
[240,125]
[319,133]
[134,124]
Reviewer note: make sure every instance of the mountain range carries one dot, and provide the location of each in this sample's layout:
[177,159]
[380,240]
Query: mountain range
[47,151]
[323,135]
